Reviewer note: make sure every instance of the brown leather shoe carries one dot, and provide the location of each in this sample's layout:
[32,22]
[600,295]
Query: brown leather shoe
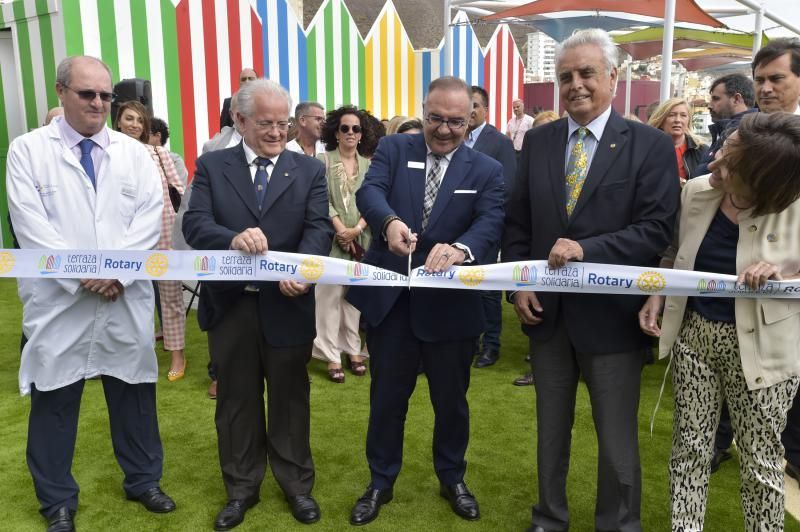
[212,390]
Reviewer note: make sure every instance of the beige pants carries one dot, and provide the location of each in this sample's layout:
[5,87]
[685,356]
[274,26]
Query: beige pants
[337,325]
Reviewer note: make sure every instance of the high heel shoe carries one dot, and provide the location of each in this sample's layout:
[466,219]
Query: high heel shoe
[173,376]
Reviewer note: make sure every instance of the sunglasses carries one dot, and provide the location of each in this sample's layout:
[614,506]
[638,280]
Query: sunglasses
[91,95]
[344,128]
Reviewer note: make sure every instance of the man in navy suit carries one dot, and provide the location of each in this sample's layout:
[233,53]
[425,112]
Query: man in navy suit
[597,188]
[486,139]
[428,196]
[254,197]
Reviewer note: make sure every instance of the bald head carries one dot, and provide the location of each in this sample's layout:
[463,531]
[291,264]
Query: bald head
[247,74]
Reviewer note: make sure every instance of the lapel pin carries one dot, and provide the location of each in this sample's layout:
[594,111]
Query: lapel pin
[286,174]
[613,146]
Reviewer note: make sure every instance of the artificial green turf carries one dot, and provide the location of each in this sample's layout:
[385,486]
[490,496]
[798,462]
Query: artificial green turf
[501,456]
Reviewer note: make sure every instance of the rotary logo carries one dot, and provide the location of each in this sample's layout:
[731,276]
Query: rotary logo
[157,264]
[471,275]
[7,262]
[311,269]
[651,282]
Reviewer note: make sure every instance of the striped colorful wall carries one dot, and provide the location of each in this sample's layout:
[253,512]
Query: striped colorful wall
[193,50]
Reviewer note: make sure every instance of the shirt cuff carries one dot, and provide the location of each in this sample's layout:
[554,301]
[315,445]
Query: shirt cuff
[469,258]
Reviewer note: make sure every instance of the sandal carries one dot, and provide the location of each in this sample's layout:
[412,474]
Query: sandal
[357,367]
[336,375]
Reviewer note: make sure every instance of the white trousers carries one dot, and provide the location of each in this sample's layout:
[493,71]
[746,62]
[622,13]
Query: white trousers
[337,325]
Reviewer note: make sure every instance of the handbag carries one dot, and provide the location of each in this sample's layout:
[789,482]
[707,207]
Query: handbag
[358,253]
[175,196]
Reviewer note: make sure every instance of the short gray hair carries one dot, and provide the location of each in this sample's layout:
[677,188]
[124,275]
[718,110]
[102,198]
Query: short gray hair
[260,86]
[64,70]
[303,107]
[593,37]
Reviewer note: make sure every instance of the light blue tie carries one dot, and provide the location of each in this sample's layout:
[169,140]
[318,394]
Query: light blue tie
[86,159]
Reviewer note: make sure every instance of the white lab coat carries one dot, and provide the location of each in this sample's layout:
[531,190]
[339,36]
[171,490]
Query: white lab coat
[75,334]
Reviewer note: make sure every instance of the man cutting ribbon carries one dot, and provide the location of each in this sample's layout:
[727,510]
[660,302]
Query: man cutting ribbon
[442,203]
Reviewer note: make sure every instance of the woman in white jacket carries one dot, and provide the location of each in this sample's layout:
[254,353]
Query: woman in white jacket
[743,219]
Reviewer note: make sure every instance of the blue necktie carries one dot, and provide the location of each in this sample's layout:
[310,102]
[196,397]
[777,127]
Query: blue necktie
[260,182]
[86,159]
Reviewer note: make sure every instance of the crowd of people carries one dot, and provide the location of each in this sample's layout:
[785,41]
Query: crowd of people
[441,190]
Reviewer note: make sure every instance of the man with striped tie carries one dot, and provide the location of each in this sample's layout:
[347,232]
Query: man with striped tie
[597,188]
[433,198]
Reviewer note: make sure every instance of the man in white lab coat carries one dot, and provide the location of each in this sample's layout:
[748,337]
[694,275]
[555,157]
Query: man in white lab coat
[75,184]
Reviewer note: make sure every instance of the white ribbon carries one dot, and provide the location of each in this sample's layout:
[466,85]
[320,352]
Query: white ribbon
[534,275]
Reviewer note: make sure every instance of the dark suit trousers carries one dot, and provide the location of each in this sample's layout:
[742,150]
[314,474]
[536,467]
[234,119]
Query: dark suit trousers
[613,381]
[395,356]
[53,426]
[493,309]
[791,434]
[246,441]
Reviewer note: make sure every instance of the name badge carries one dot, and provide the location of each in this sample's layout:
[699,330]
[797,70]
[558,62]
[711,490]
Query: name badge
[416,164]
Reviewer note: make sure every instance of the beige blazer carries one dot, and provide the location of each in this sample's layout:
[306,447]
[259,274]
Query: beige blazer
[768,329]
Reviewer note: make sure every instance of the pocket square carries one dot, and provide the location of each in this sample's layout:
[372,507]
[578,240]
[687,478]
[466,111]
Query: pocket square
[463,191]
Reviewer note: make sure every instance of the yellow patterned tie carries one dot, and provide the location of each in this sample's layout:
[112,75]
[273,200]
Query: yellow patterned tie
[577,168]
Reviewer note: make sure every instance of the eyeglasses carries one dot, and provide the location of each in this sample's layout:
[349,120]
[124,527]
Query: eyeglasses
[345,129]
[318,119]
[282,125]
[245,79]
[451,123]
[91,95]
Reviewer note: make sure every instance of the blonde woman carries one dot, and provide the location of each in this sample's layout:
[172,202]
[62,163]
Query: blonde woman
[674,117]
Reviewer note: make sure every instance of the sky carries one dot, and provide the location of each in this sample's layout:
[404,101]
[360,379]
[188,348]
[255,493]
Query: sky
[788,10]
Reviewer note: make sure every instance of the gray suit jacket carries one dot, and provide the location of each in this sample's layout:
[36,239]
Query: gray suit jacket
[220,140]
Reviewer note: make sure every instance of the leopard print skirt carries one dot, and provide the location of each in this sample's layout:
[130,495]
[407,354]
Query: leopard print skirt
[707,370]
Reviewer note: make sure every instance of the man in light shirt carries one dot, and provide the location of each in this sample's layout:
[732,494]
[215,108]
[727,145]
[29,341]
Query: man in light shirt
[518,125]
[308,117]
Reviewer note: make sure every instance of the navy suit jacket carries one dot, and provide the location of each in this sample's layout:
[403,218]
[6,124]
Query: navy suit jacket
[294,219]
[472,217]
[625,215]
[500,148]
[225,115]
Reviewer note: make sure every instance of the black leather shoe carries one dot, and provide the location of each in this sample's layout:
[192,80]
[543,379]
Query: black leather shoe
[487,358]
[369,505]
[233,514]
[525,380]
[155,501]
[720,455]
[61,521]
[461,500]
[304,508]
[536,528]
[793,471]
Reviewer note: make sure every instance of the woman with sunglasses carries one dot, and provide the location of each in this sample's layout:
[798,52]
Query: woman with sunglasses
[337,320]
[133,120]
[744,220]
